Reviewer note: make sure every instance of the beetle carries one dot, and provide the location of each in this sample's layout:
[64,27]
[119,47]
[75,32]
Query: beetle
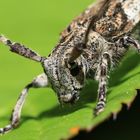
[89,47]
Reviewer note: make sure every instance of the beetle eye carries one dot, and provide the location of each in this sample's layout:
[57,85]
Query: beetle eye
[74,69]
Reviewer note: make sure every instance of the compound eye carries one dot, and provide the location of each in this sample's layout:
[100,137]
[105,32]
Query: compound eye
[74,69]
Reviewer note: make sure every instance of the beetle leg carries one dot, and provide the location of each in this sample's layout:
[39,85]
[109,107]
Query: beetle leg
[39,81]
[21,49]
[101,76]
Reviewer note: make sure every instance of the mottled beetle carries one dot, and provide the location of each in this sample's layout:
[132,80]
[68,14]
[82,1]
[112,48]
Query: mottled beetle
[88,48]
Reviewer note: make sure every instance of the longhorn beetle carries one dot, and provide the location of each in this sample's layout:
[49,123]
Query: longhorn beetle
[88,48]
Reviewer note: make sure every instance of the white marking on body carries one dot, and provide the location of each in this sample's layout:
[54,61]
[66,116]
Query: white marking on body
[132,10]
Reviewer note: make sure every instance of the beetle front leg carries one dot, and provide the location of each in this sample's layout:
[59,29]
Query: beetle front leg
[21,49]
[101,76]
[129,41]
[39,81]
[134,42]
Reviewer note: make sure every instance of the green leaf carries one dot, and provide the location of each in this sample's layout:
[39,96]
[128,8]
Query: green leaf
[37,25]
[43,118]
